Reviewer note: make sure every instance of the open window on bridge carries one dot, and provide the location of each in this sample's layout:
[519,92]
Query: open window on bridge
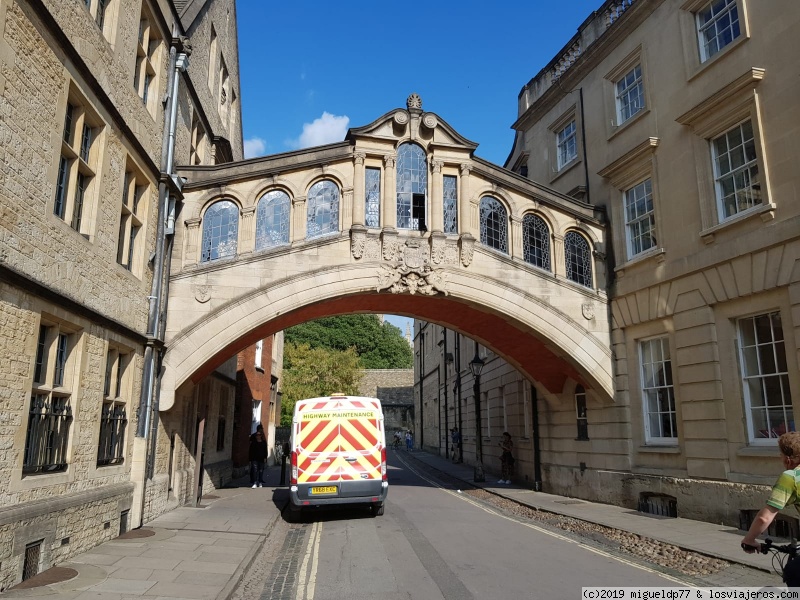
[418,211]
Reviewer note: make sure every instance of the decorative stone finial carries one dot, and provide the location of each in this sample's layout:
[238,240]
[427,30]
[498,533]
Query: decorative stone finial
[414,101]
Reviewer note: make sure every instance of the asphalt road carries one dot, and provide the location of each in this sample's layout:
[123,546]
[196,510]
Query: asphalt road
[434,543]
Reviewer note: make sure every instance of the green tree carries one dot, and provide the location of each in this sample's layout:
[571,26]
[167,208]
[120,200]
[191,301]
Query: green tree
[378,345]
[312,372]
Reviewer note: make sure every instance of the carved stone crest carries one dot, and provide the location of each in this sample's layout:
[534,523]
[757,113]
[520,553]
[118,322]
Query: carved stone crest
[412,273]
[587,309]
[202,293]
[358,242]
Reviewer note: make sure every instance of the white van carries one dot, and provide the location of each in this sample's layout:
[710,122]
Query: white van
[338,453]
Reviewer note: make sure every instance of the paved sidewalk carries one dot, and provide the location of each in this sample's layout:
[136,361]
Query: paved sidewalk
[719,541]
[204,552]
[188,553]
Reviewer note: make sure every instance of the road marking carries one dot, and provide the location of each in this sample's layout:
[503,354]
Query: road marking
[540,529]
[305,589]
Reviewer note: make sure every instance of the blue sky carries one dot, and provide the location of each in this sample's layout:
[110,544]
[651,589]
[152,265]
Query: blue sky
[311,69]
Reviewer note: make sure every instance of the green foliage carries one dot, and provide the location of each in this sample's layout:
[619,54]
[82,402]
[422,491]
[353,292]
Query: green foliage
[311,372]
[378,345]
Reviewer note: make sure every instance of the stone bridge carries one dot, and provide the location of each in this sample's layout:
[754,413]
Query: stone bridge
[400,218]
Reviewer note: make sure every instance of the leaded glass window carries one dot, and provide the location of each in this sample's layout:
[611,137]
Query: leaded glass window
[372,197]
[220,231]
[536,241]
[450,190]
[412,186]
[578,258]
[272,220]
[493,224]
[323,209]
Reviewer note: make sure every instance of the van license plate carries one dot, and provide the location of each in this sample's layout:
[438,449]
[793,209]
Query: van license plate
[328,489]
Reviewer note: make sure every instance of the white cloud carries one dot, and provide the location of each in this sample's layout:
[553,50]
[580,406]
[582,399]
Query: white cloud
[254,147]
[325,130]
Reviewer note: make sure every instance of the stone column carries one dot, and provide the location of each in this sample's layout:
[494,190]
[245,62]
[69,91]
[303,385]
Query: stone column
[298,232]
[463,199]
[190,255]
[247,232]
[515,241]
[359,201]
[437,201]
[346,209]
[558,260]
[389,196]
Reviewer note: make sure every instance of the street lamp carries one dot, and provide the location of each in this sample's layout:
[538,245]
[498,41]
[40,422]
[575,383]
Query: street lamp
[476,366]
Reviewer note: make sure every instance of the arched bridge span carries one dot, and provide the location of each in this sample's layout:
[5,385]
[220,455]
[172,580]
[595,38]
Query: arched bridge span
[400,218]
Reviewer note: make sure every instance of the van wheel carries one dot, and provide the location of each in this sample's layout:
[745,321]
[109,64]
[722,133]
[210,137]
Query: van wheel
[377,510]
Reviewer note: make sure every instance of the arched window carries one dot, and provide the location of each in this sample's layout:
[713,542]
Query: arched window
[220,231]
[412,187]
[494,224]
[272,220]
[536,241]
[578,256]
[323,209]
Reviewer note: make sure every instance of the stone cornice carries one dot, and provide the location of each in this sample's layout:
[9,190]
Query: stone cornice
[699,112]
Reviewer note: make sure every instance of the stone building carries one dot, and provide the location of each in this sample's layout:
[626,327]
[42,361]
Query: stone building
[91,94]
[680,118]
[395,389]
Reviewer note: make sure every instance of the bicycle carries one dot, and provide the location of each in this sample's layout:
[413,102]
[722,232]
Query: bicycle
[396,443]
[792,577]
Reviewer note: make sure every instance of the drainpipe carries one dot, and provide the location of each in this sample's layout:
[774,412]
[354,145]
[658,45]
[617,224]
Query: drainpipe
[148,417]
[458,400]
[585,153]
[446,384]
[537,459]
[421,381]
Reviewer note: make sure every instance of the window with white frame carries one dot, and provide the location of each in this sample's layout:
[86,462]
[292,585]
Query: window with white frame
[135,195]
[765,377]
[323,209]
[717,26]
[566,144]
[148,55]
[658,395]
[77,170]
[493,224]
[736,173]
[578,258]
[372,196]
[114,416]
[640,224]
[50,410]
[220,231]
[272,220]
[629,94]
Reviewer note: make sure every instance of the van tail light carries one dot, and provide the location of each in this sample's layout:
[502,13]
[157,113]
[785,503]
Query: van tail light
[294,468]
[383,464]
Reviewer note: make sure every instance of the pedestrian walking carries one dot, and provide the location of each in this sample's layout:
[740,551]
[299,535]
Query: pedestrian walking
[506,458]
[257,455]
[455,442]
[409,441]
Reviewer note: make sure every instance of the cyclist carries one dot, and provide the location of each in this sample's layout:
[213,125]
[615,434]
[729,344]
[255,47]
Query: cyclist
[785,492]
[396,442]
